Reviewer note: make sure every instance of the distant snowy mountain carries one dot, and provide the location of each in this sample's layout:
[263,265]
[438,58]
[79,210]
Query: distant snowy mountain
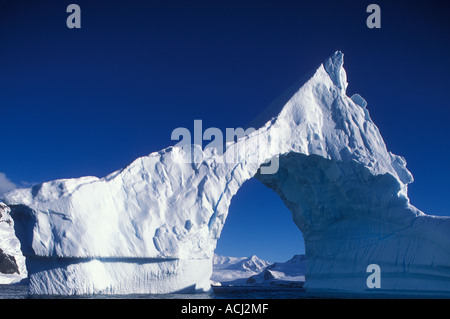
[289,273]
[251,270]
[222,262]
[252,263]
[236,270]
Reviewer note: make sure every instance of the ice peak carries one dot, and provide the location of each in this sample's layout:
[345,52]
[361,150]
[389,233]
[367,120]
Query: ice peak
[334,67]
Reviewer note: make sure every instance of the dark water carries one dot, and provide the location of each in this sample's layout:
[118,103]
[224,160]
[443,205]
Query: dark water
[21,292]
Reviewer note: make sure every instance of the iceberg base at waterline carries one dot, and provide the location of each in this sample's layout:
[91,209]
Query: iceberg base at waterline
[75,276]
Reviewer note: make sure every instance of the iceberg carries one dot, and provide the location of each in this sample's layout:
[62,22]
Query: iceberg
[12,262]
[152,227]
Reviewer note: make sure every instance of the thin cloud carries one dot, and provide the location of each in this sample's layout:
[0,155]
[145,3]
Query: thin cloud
[5,184]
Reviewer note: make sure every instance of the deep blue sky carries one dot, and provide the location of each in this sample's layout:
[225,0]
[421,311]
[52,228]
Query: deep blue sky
[88,101]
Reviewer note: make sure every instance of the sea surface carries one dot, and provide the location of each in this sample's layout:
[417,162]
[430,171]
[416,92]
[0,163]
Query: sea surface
[20,291]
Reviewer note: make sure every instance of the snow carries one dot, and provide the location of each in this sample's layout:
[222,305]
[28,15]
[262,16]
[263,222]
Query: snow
[153,225]
[10,248]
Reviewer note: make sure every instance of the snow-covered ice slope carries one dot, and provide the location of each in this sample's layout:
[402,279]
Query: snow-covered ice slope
[153,226]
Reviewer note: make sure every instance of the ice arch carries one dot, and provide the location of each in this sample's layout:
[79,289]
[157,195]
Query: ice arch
[152,227]
[351,219]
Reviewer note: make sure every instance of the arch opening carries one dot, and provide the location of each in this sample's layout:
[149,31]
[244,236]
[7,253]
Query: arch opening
[259,243]
[259,223]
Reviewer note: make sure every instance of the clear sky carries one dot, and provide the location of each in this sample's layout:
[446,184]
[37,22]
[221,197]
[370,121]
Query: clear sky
[76,102]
